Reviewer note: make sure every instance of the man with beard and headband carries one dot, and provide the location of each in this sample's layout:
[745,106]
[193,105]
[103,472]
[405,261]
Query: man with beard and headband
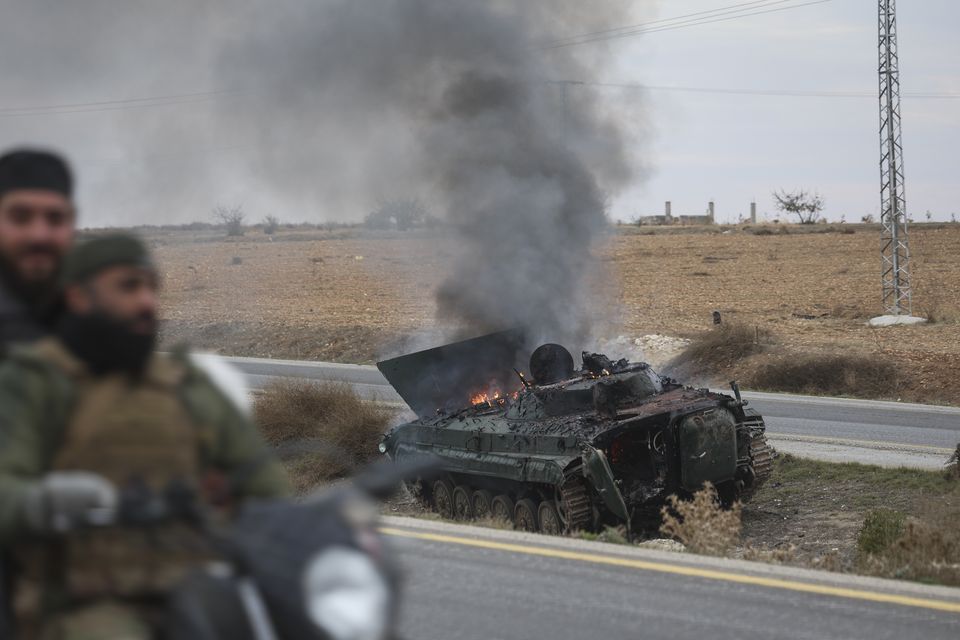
[95,411]
[36,228]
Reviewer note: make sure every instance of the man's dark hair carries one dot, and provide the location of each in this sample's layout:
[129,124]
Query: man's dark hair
[34,169]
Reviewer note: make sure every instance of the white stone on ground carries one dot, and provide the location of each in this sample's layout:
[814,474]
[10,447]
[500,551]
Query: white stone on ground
[663,544]
[892,320]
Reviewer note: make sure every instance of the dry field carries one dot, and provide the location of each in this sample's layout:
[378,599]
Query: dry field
[352,295]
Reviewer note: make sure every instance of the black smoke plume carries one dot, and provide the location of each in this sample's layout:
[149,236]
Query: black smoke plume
[458,100]
[316,110]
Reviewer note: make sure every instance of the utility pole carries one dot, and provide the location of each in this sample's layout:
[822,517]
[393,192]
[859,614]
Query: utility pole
[564,108]
[897,299]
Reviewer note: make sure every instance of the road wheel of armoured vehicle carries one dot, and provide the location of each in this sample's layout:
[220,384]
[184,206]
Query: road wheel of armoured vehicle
[549,518]
[443,499]
[525,515]
[501,508]
[462,503]
[482,502]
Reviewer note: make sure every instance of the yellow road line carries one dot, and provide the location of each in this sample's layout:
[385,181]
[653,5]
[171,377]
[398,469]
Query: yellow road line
[710,574]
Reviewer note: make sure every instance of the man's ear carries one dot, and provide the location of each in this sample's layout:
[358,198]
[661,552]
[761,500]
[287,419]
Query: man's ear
[77,299]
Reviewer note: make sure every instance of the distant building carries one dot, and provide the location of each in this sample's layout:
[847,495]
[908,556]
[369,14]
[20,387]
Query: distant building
[669,219]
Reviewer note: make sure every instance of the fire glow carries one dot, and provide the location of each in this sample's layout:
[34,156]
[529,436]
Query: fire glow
[488,398]
[492,397]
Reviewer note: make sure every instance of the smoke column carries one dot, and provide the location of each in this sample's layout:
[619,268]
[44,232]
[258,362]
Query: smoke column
[317,109]
[458,100]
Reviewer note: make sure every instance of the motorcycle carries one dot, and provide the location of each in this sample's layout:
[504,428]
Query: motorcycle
[315,569]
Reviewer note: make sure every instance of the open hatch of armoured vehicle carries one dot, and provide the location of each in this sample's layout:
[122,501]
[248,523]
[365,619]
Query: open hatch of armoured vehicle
[531,438]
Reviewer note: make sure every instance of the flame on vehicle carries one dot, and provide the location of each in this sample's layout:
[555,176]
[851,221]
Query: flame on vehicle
[492,397]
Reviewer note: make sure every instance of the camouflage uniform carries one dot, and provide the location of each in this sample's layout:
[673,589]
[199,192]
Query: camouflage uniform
[170,424]
[17,323]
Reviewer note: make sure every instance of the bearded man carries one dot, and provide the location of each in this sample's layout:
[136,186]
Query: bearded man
[37,221]
[89,413]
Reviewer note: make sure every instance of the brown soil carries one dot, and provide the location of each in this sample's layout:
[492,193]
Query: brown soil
[350,295]
[813,511]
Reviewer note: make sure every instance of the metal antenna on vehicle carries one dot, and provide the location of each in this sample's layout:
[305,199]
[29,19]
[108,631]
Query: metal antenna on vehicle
[526,384]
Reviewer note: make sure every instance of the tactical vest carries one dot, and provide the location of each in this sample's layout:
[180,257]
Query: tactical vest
[125,430]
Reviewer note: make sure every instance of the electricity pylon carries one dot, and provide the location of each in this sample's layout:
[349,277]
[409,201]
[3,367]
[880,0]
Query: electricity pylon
[893,240]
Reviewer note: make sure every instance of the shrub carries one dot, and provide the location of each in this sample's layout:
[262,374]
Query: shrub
[401,214]
[718,349]
[331,429]
[881,528]
[270,225]
[231,218]
[830,374]
[702,524]
[916,549]
[952,467]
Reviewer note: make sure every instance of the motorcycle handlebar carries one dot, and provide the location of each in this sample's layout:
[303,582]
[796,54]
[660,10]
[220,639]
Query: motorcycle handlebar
[138,505]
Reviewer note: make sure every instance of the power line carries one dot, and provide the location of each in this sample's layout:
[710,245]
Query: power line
[718,11]
[113,102]
[680,25]
[790,93]
[113,105]
[181,99]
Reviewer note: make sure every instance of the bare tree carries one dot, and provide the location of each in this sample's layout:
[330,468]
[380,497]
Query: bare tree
[803,204]
[270,224]
[231,218]
[400,213]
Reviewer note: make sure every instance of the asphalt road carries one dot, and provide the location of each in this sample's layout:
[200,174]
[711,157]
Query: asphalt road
[837,429]
[470,583]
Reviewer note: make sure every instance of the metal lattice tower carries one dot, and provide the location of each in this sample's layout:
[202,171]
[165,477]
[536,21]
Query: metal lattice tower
[893,240]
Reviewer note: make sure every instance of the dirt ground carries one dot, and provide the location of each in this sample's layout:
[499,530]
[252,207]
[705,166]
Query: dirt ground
[353,295]
[816,509]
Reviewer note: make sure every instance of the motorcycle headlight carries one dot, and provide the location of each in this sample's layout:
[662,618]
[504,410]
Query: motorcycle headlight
[347,596]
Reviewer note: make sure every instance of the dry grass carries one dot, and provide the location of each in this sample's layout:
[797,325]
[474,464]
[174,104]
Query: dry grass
[702,524]
[862,375]
[490,522]
[326,429]
[611,535]
[775,555]
[881,528]
[753,356]
[926,549]
[899,523]
[952,468]
[718,350]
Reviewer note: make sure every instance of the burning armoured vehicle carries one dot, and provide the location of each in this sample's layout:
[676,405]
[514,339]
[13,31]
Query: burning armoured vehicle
[567,449]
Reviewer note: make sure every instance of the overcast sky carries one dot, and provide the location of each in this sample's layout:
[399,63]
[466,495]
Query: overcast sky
[695,146]
[734,148]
